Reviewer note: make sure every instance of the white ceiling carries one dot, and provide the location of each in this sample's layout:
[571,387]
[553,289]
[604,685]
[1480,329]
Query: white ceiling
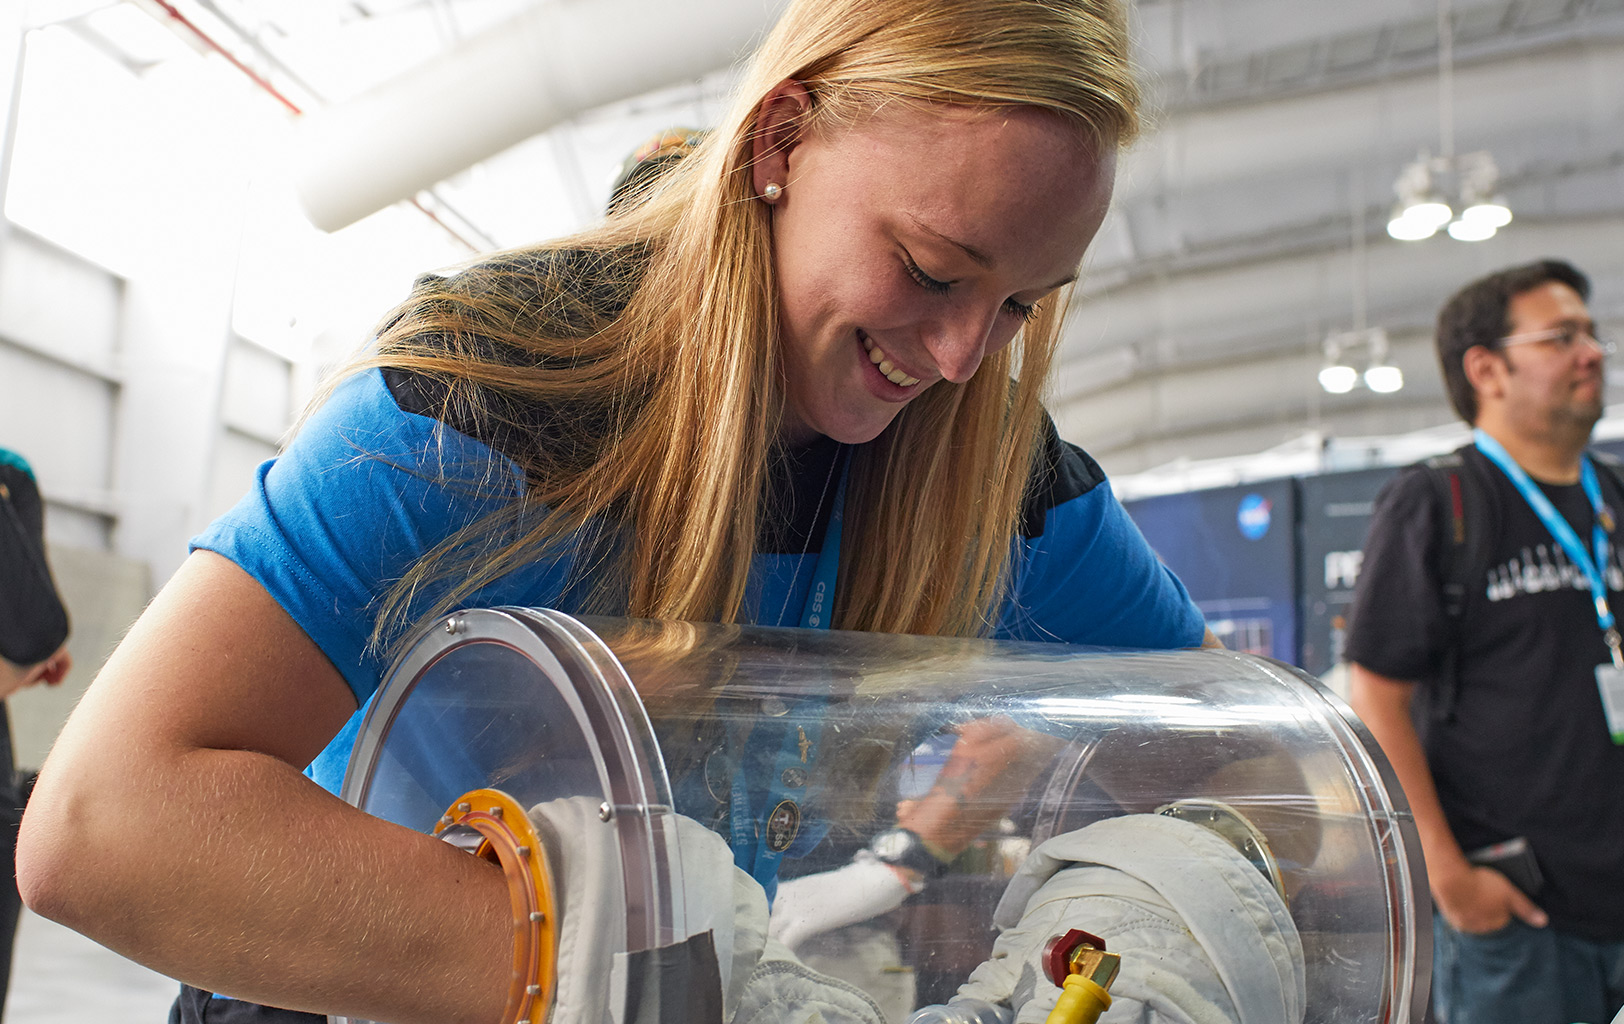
[1248,225]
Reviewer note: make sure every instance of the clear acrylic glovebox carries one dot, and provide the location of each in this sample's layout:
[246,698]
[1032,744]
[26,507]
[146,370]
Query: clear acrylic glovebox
[985,748]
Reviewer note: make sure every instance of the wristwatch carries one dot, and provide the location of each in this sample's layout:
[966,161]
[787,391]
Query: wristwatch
[904,848]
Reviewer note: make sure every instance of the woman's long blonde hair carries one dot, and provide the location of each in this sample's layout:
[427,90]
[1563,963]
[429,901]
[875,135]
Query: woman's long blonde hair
[662,414]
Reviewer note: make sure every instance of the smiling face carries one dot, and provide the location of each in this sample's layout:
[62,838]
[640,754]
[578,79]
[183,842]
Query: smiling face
[1546,388]
[914,244]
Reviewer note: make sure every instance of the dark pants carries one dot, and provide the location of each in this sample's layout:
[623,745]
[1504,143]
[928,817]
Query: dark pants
[1523,975]
[13,796]
[195,1006]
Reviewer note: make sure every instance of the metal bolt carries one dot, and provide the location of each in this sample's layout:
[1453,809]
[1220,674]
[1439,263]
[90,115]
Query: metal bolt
[534,990]
[454,625]
[605,811]
[524,851]
[464,807]
[537,916]
[496,812]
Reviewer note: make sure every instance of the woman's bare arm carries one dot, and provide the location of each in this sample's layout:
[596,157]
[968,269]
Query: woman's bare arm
[172,823]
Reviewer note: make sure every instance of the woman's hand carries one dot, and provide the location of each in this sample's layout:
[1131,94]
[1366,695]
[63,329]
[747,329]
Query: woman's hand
[987,773]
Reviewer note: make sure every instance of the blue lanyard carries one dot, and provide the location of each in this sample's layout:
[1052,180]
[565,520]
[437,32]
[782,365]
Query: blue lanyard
[1594,568]
[760,836]
[814,614]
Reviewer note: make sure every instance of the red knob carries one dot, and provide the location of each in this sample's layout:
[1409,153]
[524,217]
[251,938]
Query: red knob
[1058,950]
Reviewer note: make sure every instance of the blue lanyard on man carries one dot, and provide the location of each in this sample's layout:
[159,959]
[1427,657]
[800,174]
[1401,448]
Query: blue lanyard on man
[759,839]
[1595,568]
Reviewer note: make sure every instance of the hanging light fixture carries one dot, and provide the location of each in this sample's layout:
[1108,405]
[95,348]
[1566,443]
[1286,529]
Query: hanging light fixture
[1338,375]
[1368,345]
[1422,206]
[1485,208]
[1431,188]
[1338,378]
[1384,379]
[1381,376]
[1464,230]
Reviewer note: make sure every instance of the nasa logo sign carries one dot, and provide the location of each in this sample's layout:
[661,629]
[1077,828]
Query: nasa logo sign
[1253,516]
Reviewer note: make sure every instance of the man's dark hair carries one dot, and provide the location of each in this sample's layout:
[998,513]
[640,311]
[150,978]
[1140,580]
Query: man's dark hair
[1477,315]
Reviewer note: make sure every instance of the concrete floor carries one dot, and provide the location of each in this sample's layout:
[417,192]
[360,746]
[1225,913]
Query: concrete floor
[60,977]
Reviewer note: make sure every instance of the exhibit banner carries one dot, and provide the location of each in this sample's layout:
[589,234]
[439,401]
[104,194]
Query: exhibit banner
[1335,516]
[1233,548]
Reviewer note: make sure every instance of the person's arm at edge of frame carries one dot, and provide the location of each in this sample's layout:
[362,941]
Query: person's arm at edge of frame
[51,671]
[1472,898]
[173,824]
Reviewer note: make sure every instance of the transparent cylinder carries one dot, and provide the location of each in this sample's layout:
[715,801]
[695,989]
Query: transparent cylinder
[983,750]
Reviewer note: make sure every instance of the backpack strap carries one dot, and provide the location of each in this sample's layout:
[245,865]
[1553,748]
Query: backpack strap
[1465,525]
[1608,467]
[1610,470]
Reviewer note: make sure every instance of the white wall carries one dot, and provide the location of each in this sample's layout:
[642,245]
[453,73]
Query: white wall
[142,373]
[104,593]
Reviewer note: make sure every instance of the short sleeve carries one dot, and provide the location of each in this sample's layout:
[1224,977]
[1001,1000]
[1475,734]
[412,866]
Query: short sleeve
[362,493]
[1396,622]
[33,620]
[1091,578]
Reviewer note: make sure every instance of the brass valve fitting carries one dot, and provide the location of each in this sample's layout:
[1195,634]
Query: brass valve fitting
[1078,963]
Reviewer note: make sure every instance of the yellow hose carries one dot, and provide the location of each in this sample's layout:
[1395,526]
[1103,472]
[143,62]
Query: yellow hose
[1081,1002]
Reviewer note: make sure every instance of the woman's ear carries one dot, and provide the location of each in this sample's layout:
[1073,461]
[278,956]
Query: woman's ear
[777,131]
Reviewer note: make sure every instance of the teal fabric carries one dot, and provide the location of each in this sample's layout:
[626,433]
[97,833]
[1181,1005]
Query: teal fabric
[11,458]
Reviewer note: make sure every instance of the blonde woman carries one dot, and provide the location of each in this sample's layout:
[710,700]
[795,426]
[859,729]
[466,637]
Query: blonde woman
[798,384]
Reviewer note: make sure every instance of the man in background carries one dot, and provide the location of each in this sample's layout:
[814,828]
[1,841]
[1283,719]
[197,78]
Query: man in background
[33,634]
[1485,659]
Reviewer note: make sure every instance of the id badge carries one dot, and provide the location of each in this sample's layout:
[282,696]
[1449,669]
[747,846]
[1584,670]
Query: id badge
[1610,680]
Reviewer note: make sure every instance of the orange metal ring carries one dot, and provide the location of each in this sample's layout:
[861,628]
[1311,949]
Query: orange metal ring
[506,837]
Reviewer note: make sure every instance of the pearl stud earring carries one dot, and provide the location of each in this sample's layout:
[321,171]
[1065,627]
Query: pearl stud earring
[772,192]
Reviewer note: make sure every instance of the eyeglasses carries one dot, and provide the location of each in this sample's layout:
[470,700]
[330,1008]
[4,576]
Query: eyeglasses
[1566,337]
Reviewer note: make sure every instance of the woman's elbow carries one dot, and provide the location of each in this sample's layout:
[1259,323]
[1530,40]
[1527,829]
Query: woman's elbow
[47,863]
[65,862]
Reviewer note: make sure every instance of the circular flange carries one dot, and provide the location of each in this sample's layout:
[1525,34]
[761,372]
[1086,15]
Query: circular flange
[1234,828]
[490,824]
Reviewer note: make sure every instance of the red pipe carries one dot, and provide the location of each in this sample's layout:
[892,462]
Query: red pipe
[261,81]
[227,54]
[430,214]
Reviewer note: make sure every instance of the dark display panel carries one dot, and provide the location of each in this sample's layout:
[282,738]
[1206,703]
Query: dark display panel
[1234,549]
[1272,565]
[1334,518]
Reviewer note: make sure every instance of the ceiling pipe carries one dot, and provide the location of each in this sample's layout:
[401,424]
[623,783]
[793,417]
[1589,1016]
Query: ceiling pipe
[1178,365]
[504,85]
[1351,127]
[169,11]
[1274,305]
[165,9]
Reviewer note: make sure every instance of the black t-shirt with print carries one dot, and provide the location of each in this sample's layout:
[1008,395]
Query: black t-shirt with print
[1527,751]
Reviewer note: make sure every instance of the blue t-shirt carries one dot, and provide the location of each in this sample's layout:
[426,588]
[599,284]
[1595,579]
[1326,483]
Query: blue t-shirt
[367,487]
